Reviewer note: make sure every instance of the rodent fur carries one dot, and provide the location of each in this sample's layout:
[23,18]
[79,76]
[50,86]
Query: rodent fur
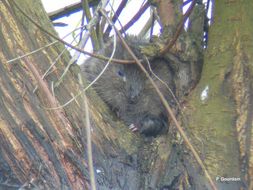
[126,89]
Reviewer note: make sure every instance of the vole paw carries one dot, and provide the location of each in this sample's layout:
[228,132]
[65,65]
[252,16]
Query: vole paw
[152,125]
[133,128]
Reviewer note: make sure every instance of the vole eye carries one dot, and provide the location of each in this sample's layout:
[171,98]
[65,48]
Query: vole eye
[121,73]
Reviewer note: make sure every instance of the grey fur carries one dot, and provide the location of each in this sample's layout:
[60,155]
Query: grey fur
[128,92]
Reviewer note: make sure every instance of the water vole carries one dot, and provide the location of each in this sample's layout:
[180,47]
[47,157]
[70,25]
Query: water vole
[128,92]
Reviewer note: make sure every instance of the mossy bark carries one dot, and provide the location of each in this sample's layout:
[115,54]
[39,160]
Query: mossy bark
[219,110]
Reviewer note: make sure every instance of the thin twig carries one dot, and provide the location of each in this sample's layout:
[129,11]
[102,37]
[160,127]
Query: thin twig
[32,52]
[100,74]
[41,48]
[135,17]
[70,45]
[166,85]
[74,58]
[85,109]
[149,25]
[115,17]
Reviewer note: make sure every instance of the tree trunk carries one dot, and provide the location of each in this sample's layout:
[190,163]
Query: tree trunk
[219,110]
[40,147]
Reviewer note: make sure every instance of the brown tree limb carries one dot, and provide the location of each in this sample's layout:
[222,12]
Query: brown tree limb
[179,29]
[68,10]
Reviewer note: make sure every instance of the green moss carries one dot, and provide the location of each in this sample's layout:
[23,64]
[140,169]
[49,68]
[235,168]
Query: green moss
[212,121]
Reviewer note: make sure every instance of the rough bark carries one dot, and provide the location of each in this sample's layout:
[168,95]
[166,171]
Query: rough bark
[219,110]
[46,148]
[40,147]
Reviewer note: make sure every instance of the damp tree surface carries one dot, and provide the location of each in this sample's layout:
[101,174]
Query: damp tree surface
[48,125]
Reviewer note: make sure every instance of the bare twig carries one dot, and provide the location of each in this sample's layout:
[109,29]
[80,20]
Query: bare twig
[100,74]
[70,45]
[149,25]
[41,48]
[165,84]
[85,109]
[74,58]
[115,17]
[135,17]
[31,53]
